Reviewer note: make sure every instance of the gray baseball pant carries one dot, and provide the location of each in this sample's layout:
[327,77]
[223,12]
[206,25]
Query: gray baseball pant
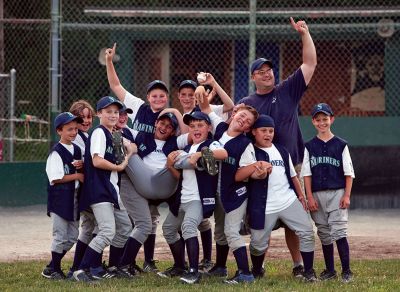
[295,218]
[233,221]
[65,233]
[114,226]
[88,223]
[150,184]
[188,219]
[331,221]
[219,218]
[138,209]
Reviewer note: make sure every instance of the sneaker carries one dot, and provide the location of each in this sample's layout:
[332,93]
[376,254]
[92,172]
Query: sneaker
[191,277]
[49,273]
[219,272]
[83,276]
[135,269]
[347,276]
[208,161]
[70,274]
[327,275]
[205,265]
[298,271]
[125,272]
[258,274]
[150,267]
[172,272]
[309,276]
[240,277]
[100,273]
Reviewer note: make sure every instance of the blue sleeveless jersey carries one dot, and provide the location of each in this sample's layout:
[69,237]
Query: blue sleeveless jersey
[207,185]
[145,119]
[258,189]
[233,193]
[61,197]
[326,163]
[98,187]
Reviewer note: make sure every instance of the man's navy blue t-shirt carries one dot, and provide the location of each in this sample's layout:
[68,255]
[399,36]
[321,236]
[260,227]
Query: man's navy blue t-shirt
[282,105]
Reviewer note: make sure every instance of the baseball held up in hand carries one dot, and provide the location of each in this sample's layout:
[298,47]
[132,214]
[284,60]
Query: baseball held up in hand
[201,77]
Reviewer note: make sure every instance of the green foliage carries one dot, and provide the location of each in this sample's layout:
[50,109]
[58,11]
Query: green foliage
[370,275]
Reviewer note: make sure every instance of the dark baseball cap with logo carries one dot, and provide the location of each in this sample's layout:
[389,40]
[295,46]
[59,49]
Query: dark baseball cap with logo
[125,109]
[322,108]
[65,118]
[171,117]
[188,83]
[156,84]
[196,116]
[257,64]
[107,101]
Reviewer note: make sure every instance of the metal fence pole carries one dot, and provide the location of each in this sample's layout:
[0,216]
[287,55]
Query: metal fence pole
[252,37]
[13,74]
[55,76]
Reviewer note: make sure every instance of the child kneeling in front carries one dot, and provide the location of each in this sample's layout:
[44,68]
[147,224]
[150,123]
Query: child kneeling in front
[277,197]
[193,200]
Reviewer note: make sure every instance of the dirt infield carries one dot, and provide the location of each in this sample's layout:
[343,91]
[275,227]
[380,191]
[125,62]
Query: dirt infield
[26,235]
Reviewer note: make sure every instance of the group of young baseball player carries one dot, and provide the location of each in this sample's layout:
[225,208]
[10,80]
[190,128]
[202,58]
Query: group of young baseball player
[236,163]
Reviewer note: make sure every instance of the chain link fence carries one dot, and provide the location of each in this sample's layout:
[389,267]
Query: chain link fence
[357,43]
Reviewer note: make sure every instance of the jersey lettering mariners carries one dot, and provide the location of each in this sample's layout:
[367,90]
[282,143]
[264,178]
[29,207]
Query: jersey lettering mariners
[314,161]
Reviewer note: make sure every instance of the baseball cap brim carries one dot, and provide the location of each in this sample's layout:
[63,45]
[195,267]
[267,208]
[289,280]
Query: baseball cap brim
[257,64]
[157,84]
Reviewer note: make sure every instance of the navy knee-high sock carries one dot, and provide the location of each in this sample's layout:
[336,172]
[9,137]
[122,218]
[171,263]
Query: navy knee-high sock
[257,262]
[222,251]
[51,261]
[91,259]
[115,255]
[327,250]
[192,247]
[344,253]
[80,249]
[131,250]
[178,253]
[149,246]
[206,241]
[242,260]
[308,259]
[56,260]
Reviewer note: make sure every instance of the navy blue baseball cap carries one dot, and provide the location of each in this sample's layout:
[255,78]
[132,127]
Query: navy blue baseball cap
[188,83]
[171,117]
[126,110]
[257,64]
[108,100]
[65,118]
[196,116]
[322,108]
[264,121]
[156,84]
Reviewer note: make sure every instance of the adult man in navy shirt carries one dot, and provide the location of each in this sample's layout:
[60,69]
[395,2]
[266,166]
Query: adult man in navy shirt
[281,102]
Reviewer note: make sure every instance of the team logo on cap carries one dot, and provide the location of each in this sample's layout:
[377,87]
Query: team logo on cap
[319,106]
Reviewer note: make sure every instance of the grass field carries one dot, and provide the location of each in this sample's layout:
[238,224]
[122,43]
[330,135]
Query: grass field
[370,275]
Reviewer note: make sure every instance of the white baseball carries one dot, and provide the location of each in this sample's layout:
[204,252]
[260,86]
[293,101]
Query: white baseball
[201,77]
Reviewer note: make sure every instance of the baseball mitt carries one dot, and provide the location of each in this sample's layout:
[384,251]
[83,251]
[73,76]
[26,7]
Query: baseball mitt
[118,145]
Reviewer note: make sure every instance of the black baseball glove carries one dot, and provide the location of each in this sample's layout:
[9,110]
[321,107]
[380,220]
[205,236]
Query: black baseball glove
[118,145]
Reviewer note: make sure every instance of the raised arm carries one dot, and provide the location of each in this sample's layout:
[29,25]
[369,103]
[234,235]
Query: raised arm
[309,52]
[225,98]
[112,76]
